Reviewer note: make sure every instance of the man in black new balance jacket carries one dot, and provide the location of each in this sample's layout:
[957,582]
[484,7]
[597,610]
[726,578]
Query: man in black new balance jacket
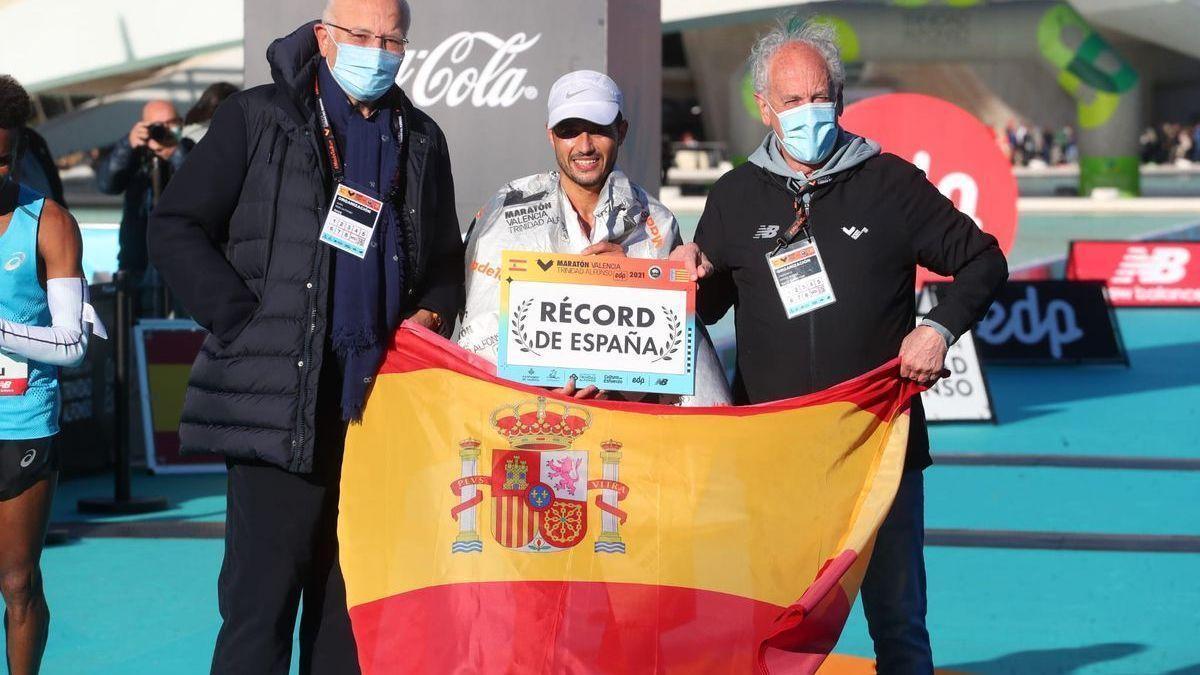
[874,218]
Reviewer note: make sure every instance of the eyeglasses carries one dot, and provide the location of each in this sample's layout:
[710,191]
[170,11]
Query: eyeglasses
[364,38]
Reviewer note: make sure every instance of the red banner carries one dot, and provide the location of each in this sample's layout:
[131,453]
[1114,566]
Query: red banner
[1140,273]
[956,151]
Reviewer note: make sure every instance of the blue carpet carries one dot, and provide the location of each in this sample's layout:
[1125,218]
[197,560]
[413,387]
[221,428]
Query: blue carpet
[1146,410]
[1065,500]
[1043,612]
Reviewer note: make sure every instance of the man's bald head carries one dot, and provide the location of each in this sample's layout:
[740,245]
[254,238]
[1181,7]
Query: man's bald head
[159,111]
[394,12]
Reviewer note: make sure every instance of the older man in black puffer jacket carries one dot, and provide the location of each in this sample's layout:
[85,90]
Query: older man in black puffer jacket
[297,326]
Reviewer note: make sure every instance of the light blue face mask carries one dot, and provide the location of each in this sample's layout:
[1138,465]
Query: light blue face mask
[809,131]
[365,73]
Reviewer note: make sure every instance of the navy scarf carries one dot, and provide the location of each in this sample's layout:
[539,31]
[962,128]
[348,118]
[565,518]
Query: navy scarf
[367,293]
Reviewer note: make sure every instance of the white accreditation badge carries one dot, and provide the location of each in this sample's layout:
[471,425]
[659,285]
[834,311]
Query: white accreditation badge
[351,222]
[14,374]
[801,279]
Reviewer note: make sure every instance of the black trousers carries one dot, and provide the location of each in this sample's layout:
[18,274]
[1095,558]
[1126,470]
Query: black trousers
[280,552]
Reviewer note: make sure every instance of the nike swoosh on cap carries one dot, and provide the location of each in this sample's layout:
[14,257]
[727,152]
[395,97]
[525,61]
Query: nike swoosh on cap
[575,93]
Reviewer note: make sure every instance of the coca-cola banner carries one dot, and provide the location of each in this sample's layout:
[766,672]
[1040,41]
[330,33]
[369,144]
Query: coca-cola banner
[957,152]
[1140,273]
[482,70]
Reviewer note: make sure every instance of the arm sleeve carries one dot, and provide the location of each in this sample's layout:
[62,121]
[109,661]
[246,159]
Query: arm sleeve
[443,290]
[112,176]
[949,243]
[189,228]
[716,293]
[65,341]
[949,337]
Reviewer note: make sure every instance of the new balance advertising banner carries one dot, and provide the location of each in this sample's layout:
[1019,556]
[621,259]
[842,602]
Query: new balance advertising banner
[487,526]
[1142,273]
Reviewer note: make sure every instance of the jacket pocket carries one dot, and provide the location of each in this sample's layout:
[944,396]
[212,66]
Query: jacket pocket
[234,335]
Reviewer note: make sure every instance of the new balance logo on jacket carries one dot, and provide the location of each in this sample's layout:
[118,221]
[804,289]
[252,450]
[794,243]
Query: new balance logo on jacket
[766,232]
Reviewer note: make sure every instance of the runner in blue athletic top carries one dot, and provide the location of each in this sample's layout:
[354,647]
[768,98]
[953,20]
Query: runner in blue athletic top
[44,324]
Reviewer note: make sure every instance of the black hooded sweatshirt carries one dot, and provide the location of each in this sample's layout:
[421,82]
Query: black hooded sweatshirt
[901,220]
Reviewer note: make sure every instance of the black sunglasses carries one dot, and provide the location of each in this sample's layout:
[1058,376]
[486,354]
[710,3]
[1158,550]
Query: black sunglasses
[568,129]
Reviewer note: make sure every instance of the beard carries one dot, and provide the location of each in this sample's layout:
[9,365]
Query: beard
[588,180]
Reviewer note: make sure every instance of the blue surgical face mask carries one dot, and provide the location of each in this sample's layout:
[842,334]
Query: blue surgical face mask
[365,73]
[809,131]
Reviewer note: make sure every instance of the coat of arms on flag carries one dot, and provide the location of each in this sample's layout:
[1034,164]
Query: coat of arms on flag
[539,483]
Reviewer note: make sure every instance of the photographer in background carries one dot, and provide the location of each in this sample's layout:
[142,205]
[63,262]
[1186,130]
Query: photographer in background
[140,165]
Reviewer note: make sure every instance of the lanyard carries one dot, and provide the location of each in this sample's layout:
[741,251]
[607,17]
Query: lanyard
[335,161]
[800,202]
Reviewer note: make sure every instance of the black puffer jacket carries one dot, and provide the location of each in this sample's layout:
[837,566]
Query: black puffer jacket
[236,236]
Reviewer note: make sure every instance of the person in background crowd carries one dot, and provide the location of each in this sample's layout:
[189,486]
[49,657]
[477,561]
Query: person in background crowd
[299,323]
[1066,141]
[587,206]
[1182,151]
[1014,143]
[1147,142]
[195,123]
[1001,137]
[811,186]
[140,166]
[45,320]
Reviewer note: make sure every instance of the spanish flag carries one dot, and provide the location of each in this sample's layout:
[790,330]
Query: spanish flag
[489,527]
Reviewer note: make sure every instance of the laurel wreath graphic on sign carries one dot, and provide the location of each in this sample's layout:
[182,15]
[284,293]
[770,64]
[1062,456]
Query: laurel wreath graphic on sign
[518,324]
[676,328]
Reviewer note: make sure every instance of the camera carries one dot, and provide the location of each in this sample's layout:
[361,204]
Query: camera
[161,133]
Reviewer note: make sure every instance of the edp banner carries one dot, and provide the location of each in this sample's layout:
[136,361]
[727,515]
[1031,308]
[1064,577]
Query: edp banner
[164,350]
[1050,323]
[1140,273]
[624,324]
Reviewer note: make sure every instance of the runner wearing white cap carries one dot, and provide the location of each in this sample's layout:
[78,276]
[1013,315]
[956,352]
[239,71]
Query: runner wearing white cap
[587,206]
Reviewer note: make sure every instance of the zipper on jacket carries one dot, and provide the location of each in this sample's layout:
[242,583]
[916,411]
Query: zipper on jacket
[812,317]
[305,364]
[312,289]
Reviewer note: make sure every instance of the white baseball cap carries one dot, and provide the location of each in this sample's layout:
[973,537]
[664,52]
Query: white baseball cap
[584,94]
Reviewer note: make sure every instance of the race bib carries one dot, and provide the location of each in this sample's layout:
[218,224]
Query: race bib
[351,220]
[14,374]
[801,279]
